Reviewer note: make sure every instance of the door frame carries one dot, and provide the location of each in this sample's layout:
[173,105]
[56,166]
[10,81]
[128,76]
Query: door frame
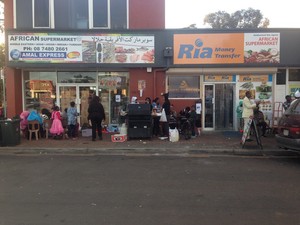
[213,128]
[213,108]
[77,100]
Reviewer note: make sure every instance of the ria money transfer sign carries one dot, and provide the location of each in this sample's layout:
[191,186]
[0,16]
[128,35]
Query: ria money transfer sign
[90,48]
[226,48]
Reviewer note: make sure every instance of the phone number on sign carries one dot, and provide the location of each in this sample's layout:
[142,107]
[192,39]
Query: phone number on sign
[50,48]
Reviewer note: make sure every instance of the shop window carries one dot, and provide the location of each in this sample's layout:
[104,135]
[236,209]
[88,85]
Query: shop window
[41,14]
[281,76]
[40,90]
[100,13]
[71,14]
[76,77]
[294,74]
[113,91]
[184,86]
[23,14]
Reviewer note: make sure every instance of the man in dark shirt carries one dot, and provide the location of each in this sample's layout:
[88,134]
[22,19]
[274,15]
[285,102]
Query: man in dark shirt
[287,103]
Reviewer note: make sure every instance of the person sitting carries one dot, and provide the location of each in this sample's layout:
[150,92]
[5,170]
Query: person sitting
[24,123]
[46,114]
[260,120]
[34,115]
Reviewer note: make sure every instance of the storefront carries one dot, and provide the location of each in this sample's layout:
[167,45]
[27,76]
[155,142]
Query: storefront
[46,89]
[84,64]
[213,69]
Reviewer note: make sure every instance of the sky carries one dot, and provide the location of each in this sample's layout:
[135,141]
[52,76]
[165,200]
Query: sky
[182,13]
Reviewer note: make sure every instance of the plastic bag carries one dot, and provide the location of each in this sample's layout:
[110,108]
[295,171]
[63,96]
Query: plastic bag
[163,117]
[174,135]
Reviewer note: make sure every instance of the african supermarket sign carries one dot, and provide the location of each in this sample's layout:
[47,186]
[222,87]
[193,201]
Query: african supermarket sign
[228,48]
[90,48]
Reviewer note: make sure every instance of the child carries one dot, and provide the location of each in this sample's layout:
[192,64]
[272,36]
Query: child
[72,120]
[56,128]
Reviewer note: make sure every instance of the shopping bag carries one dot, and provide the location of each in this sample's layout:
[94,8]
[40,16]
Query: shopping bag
[163,117]
[173,135]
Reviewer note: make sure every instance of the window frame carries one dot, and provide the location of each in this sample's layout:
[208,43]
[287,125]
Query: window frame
[34,17]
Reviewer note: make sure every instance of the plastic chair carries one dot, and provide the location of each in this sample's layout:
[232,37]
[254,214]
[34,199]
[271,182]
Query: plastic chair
[47,126]
[33,128]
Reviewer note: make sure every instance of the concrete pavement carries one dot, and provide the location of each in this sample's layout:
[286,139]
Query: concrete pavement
[217,142]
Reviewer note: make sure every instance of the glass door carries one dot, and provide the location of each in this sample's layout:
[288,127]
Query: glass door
[83,102]
[224,106]
[79,94]
[209,104]
[218,112]
[67,94]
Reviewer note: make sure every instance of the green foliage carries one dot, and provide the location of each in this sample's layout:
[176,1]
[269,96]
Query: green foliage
[249,18]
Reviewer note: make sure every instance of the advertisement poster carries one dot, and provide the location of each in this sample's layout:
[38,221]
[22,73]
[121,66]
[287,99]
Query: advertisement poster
[98,48]
[262,48]
[293,88]
[110,82]
[260,87]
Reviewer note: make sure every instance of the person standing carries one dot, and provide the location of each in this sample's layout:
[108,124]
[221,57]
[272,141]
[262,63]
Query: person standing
[148,101]
[297,96]
[96,116]
[239,113]
[248,107]
[72,120]
[155,106]
[56,128]
[167,107]
[287,103]
[192,118]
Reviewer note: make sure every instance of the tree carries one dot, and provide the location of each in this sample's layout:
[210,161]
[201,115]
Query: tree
[250,18]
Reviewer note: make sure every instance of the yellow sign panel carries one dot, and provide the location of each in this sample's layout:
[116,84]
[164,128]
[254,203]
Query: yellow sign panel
[218,78]
[254,78]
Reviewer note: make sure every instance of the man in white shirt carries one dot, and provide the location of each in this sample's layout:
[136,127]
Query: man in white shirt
[248,107]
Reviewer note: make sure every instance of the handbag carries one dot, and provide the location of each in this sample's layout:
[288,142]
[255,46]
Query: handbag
[163,117]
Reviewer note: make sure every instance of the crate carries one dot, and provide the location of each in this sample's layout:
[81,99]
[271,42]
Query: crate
[118,137]
[86,133]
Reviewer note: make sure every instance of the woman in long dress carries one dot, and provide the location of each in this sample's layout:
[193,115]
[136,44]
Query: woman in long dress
[56,128]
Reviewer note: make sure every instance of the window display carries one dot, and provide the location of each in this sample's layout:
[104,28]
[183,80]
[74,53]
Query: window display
[184,87]
[39,90]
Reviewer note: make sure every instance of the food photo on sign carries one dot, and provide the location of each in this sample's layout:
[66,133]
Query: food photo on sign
[262,48]
[260,87]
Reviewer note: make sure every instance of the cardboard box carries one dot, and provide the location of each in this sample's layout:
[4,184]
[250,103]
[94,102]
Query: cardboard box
[86,133]
[118,137]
